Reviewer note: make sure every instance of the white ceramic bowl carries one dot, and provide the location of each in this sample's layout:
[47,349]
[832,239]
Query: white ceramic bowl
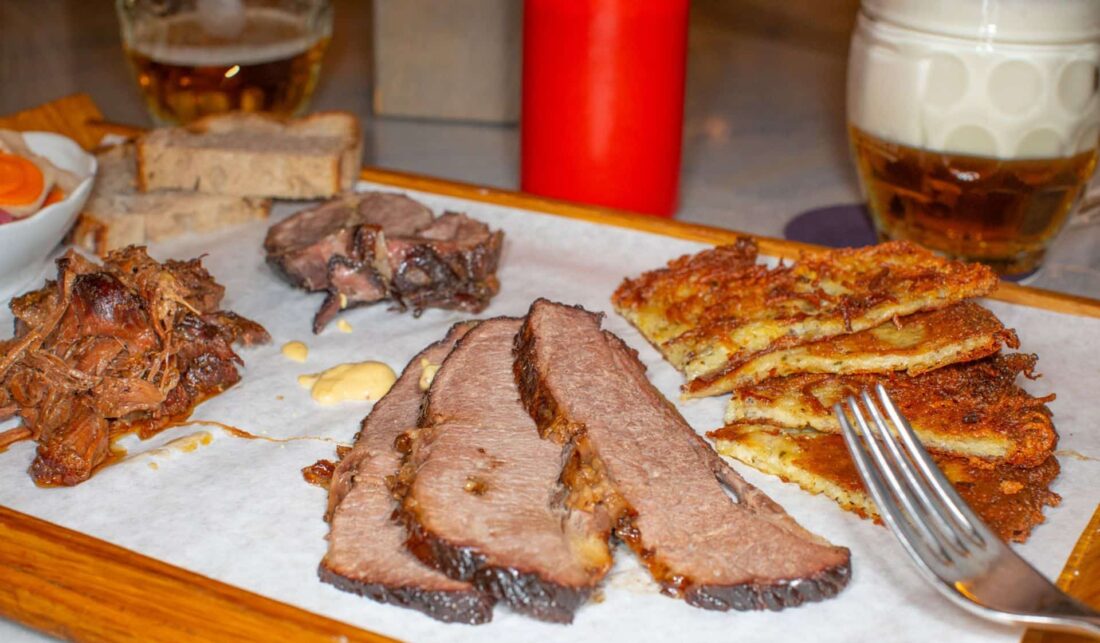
[25,244]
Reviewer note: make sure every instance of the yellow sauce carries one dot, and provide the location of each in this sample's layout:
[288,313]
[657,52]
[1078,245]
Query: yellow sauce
[343,301]
[343,326]
[185,444]
[295,351]
[427,373]
[349,382]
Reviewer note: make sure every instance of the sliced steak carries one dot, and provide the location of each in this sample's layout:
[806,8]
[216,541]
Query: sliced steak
[366,548]
[374,246]
[482,498]
[664,489]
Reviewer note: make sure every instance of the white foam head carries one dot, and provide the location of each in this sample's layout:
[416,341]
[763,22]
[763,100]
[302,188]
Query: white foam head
[1034,21]
[995,78]
[219,35]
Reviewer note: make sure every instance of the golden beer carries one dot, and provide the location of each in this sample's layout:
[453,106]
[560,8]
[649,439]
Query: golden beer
[1002,212]
[270,63]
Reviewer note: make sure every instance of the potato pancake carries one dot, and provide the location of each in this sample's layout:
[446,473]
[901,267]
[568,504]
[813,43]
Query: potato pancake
[913,344]
[973,409]
[719,306]
[1009,499]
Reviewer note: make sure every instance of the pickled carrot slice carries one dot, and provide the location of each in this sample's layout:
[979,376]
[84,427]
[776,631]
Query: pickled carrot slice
[21,181]
[55,195]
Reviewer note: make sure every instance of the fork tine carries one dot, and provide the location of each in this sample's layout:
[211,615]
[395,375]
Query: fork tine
[917,548]
[901,493]
[971,525]
[928,506]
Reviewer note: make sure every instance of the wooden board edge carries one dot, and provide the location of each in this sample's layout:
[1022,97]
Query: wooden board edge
[73,586]
[69,116]
[782,248]
[1080,578]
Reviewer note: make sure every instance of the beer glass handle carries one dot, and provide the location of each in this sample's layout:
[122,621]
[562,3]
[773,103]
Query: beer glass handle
[1088,211]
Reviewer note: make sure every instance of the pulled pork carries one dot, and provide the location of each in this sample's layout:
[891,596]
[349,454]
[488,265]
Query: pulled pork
[127,347]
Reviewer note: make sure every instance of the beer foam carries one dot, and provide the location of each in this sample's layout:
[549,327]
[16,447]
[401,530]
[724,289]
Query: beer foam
[1012,82]
[268,35]
[1001,20]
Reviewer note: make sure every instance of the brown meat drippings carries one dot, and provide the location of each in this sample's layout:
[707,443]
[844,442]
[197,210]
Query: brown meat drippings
[130,346]
[319,474]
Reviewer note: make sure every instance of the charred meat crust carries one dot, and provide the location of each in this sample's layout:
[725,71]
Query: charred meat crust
[776,596]
[472,608]
[429,278]
[525,592]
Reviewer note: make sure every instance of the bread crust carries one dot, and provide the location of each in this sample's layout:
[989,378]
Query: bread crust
[245,171]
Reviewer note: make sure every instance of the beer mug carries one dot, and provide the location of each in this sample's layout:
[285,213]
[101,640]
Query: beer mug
[197,57]
[975,123]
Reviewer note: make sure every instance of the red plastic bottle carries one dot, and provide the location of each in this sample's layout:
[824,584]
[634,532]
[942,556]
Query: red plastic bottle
[603,101]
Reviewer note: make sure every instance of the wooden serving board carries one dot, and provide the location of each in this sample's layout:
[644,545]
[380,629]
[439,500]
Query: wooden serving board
[71,585]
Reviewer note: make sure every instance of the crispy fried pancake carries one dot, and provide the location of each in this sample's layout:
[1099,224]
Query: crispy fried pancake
[1009,499]
[719,306]
[914,344]
[973,409]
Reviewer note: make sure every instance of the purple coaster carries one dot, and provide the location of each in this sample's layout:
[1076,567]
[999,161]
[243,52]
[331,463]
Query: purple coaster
[845,226]
[834,226]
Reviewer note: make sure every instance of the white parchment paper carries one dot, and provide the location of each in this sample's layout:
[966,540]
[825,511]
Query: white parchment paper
[239,511]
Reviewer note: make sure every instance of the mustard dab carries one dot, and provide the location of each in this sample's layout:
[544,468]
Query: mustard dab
[349,382]
[295,351]
[427,373]
[343,326]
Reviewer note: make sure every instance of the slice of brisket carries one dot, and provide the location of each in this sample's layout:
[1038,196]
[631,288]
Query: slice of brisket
[366,548]
[482,497]
[636,458]
[374,246]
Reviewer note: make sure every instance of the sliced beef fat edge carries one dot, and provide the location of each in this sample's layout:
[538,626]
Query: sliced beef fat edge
[637,458]
[481,490]
[366,547]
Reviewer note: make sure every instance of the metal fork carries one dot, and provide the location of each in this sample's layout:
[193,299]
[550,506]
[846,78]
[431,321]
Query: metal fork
[951,546]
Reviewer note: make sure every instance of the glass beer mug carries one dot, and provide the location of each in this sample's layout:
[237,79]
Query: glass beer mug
[197,57]
[975,123]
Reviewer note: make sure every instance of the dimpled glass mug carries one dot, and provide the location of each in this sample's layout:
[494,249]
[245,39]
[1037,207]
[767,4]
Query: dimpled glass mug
[974,123]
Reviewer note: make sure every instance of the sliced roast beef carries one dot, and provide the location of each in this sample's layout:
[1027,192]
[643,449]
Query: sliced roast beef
[373,246]
[665,490]
[366,548]
[482,497]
